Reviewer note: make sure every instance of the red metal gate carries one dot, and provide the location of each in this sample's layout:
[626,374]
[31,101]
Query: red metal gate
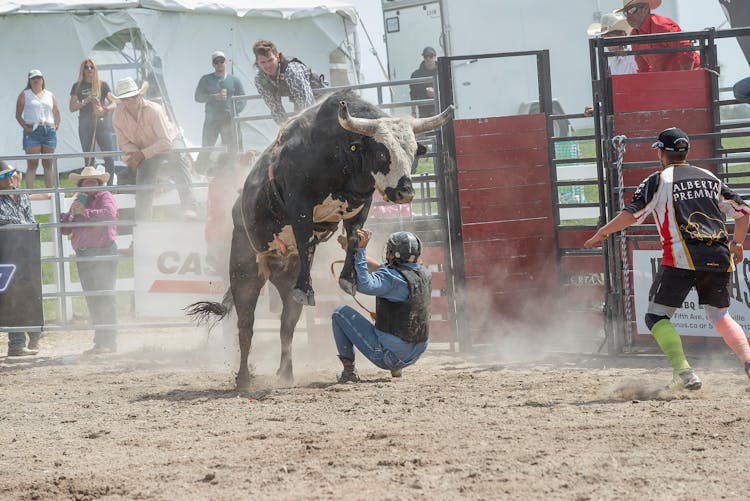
[504,189]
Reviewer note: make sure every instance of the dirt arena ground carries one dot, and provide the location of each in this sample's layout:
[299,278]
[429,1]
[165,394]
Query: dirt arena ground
[161,420]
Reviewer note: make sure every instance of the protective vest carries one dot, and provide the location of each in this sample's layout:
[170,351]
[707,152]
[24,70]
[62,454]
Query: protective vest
[409,320]
[279,85]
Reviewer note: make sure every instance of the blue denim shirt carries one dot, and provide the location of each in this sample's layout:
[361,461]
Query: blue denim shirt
[387,283]
[384,282]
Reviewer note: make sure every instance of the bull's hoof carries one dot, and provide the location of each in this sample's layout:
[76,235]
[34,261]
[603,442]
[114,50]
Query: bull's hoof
[286,377]
[242,381]
[348,286]
[304,298]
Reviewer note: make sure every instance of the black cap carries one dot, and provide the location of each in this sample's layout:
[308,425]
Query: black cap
[672,139]
[428,51]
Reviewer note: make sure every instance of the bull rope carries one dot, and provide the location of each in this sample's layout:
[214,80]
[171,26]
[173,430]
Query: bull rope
[333,274]
[244,226]
[618,142]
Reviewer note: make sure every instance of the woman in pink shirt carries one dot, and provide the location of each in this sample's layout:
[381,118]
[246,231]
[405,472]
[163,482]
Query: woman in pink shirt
[90,241]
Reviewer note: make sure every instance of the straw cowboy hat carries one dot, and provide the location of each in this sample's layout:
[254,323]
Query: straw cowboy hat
[127,88]
[626,4]
[90,172]
[612,21]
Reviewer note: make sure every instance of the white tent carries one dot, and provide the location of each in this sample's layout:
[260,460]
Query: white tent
[169,42]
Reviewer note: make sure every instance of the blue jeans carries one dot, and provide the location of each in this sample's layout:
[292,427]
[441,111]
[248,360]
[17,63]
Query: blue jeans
[43,135]
[18,339]
[212,129]
[100,276]
[104,138]
[385,350]
[742,90]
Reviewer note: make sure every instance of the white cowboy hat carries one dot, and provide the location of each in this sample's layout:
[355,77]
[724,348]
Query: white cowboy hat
[629,3]
[612,21]
[90,172]
[127,88]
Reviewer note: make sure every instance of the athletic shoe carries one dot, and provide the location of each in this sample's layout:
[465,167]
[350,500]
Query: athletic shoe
[747,368]
[686,379]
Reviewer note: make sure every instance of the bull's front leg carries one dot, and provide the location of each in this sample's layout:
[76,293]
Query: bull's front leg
[348,276]
[302,226]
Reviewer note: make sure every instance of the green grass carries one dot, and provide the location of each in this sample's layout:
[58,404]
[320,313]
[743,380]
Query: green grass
[587,149]
[425,166]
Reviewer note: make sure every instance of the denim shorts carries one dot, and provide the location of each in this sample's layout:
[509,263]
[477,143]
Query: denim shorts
[43,135]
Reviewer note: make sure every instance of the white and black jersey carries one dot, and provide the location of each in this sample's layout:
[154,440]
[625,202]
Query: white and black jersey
[690,206]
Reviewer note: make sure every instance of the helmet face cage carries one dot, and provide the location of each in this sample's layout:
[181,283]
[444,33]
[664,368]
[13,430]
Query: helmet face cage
[403,247]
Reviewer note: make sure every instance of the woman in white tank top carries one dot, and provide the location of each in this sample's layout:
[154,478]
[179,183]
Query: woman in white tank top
[39,116]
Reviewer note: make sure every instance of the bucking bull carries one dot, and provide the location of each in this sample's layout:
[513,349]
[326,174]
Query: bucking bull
[322,169]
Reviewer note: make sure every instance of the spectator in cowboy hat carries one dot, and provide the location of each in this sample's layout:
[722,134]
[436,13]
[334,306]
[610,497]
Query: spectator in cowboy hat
[89,241]
[613,24]
[16,209]
[639,16]
[147,136]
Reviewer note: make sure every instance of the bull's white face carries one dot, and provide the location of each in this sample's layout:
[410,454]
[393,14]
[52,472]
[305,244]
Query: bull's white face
[397,136]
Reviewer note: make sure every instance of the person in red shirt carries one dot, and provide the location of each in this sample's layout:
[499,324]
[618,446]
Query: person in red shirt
[644,22]
[225,185]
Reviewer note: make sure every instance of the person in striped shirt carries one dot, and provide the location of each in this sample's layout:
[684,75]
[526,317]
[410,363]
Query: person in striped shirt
[690,206]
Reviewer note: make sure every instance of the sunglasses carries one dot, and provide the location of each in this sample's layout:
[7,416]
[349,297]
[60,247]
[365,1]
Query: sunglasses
[88,67]
[220,61]
[5,175]
[635,8]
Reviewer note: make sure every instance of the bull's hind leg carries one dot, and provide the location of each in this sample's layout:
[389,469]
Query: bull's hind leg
[246,284]
[284,282]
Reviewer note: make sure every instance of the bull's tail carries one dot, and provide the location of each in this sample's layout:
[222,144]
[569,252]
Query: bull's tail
[203,312]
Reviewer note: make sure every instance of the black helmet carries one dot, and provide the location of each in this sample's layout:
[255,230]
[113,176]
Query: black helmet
[404,247]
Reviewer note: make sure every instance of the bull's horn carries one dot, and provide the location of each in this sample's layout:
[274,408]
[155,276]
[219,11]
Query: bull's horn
[364,126]
[432,123]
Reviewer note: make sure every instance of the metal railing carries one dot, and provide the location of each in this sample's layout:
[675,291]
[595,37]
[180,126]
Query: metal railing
[725,160]
[59,255]
[61,289]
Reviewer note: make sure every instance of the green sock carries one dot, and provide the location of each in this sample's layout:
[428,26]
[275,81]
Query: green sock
[669,342]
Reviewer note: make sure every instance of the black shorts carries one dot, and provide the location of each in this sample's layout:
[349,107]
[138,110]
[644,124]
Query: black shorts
[671,287]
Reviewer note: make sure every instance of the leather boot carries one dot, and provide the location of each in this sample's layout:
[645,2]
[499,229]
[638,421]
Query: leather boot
[21,352]
[350,371]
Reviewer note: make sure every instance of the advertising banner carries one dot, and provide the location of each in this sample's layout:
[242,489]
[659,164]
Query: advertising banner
[171,268]
[690,320]
[20,277]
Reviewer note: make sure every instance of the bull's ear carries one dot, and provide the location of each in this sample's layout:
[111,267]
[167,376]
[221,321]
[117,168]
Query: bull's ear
[355,146]
[421,149]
